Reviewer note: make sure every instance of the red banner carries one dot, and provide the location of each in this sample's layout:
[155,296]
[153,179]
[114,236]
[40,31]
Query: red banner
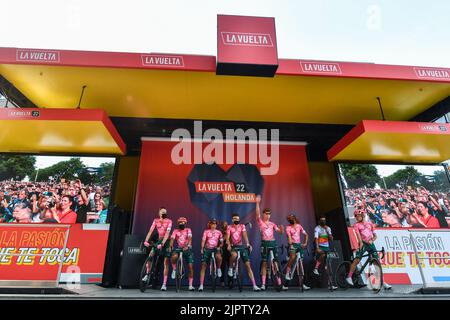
[41,247]
[33,252]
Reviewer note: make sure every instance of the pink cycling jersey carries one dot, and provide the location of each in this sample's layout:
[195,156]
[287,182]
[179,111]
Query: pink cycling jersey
[365,229]
[235,234]
[295,231]
[182,237]
[162,226]
[267,230]
[212,238]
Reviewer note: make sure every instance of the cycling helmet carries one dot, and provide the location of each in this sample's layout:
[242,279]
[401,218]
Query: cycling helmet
[211,221]
[182,220]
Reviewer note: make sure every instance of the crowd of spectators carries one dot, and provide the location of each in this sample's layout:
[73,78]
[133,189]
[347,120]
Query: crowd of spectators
[51,202]
[402,208]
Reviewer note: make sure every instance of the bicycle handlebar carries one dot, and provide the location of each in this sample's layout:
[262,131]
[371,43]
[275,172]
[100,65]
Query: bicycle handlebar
[142,246]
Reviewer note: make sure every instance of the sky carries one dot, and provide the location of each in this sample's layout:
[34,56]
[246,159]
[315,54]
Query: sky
[405,32]
[46,161]
[387,170]
[413,32]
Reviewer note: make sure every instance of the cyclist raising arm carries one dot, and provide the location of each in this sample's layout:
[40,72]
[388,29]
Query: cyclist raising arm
[293,232]
[212,241]
[163,226]
[268,241]
[183,237]
[235,233]
[365,233]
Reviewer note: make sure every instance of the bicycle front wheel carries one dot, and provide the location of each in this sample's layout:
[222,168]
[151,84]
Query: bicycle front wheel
[375,275]
[144,277]
[301,275]
[329,274]
[179,275]
[341,274]
[155,271]
[277,278]
[239,279]
[213,274]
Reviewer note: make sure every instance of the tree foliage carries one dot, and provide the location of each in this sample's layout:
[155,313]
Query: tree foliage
[75,169]
[360,175]
[411,177]
[16,166]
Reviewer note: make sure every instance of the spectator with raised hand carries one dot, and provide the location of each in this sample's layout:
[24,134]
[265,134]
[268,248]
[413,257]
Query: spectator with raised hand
[380,204]
[82,209]
[36,214]
[424,218]
[436,210]
[446,206]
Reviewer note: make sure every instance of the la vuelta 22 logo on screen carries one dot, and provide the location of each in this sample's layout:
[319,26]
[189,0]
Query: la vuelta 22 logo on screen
[219,193]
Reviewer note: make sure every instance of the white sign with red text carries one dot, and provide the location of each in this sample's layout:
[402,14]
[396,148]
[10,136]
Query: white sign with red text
[400,263]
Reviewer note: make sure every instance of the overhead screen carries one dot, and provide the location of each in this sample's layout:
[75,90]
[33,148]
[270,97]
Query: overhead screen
[397,196]
[54,189]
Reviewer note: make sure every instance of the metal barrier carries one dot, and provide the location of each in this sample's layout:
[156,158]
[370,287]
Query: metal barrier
[445,282]
[33,282]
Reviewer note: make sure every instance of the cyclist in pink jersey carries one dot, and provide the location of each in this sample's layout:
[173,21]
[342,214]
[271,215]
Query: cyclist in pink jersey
[235,234]
[212,242]
[268,241]
[163,225]
[293,232]
[365,233]
[183,237]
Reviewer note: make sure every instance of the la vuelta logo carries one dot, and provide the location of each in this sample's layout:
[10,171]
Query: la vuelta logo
[432,127]
[432,73]
[247,39]
[320,67]
[218,191]
[37,55]
[162,60]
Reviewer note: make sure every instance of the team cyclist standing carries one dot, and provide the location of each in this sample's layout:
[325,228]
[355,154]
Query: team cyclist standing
[235,240]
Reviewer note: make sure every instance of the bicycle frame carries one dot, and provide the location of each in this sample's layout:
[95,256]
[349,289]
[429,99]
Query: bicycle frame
[369,257]
[154,256]
[297,266]
[180,258]
[213,263]
[269,261]
[236,264]
[330,255]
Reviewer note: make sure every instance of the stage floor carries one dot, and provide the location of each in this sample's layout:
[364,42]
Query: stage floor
[95,292]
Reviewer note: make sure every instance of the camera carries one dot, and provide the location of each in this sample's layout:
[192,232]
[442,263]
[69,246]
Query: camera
[51,203]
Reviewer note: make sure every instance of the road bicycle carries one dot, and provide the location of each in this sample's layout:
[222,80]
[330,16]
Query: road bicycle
[150,269]
[374,271]
[296,269]
[273,269]
[237,273]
